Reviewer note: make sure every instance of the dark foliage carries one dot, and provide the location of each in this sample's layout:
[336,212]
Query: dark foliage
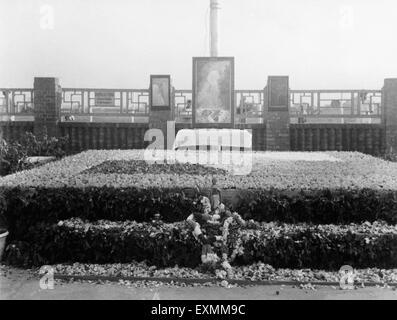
[281,245]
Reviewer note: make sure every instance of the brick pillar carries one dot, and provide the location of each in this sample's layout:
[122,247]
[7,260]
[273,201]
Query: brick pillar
[47,106]
[277,117]
[389,102]
[159,115]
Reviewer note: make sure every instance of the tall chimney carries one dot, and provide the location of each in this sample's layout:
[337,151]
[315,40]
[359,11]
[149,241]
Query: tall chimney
[214,27]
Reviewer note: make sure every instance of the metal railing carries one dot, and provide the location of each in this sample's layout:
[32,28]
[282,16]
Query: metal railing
[183,105]
[336,106]
[248,105]
[16,104]
[107,104]
[132,105]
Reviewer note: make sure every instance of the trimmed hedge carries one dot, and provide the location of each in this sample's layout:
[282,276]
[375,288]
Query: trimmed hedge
[28,206]
[339,206]
[281,245]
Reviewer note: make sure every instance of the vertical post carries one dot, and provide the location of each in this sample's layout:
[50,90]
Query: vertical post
[161,106]
[277,105]
[214,27]
[389,103]
[47,106]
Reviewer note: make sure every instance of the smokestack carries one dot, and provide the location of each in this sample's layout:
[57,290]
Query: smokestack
[214,27]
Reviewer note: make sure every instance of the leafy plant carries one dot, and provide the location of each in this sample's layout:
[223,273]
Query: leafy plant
[280,245]
[14,154]
[28,206]
[390,156]
[3,220]
[44,146]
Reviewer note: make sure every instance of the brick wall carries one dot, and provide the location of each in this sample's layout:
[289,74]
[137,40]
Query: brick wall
[390,113]
[277,131]
[12,131]
[85,136]
[366,138]
[47,106]
[277,116]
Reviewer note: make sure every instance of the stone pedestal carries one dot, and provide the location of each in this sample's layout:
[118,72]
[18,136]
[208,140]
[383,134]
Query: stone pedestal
[161,105]
[276,115]
[47,106]
[158,120]
[389,101]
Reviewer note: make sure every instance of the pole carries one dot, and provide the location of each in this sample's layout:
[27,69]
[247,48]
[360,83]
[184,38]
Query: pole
[214,27]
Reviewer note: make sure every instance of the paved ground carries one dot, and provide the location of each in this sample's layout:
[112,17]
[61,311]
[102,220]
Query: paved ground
[25,286]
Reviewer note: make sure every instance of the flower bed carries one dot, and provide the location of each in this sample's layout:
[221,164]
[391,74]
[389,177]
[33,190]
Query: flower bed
[283,171]
[289,187]
[255,272]
[141,166]
[281,245]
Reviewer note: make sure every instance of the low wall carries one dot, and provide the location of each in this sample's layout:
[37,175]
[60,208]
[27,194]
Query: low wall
[366,138]
[84,136]
[12,131]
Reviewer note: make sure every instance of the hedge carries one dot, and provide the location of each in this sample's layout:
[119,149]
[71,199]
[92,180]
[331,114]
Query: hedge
[280,245]
[27,206]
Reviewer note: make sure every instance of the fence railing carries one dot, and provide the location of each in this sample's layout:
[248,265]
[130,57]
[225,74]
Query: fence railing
[183,105]
[107,104]
[16,104]
[132,105]
[248,105]
[336,106]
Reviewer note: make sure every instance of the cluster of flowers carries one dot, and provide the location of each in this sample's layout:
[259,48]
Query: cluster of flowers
[254,272]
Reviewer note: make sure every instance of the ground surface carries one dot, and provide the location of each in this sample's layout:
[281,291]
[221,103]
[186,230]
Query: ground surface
[22,285]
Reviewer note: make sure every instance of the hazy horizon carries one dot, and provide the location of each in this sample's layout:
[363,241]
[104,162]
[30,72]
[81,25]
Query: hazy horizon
[328,44]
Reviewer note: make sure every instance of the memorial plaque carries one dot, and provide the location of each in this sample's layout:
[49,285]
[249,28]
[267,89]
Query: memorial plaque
[213,92]
[103,99]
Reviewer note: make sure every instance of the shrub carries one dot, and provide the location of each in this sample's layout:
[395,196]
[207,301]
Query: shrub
[3,206]
[390,156]
[27,206]
[14,154]
[281,245]
[12,157]
[44,146]
[338,206]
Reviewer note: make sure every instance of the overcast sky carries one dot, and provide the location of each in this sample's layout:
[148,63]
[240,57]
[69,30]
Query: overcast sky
[320,44]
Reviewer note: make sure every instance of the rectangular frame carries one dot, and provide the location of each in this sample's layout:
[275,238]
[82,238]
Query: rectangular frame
[104,98]
[195,85]
[274,103]
[167,104]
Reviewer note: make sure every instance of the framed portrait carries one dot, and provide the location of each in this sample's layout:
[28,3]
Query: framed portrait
[160,92]
[278,88]
[213,92]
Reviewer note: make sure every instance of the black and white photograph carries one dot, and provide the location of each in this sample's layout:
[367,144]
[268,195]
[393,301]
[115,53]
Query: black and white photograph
[196,156]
